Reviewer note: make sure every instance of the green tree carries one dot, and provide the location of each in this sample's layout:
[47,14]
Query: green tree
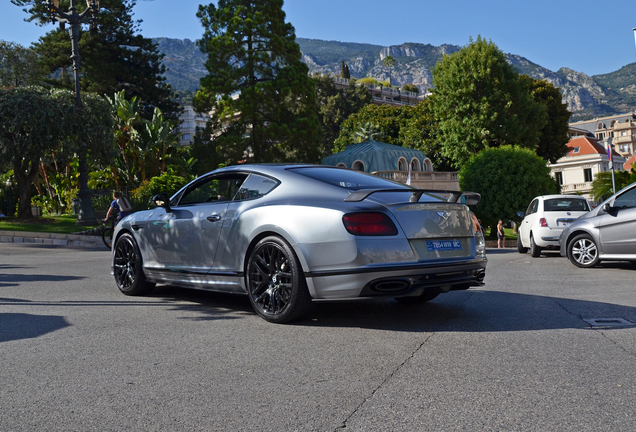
[410,88]
[420,132]
[508,178]
[389,62]
[344,70]
[407,125]
[19,66]
[386,121]
[335,106]
[262,100]
[36,121]
[480,102]
[553,138]
[114,56]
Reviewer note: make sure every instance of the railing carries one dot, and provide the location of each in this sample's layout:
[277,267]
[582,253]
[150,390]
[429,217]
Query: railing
[576,187]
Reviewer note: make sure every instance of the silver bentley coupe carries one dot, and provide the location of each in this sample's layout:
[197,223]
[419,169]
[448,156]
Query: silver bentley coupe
[288,235]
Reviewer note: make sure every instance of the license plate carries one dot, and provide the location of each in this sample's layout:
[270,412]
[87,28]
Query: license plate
[443,245]
[564,222]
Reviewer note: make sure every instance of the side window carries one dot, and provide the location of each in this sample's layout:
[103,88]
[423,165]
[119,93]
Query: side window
[626,200]
[254,187]
[532,208]
[213,189]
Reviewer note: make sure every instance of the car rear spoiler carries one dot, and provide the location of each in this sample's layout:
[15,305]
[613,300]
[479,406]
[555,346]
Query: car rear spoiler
[468,198]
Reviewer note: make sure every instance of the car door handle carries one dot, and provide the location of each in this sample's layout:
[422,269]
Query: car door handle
[214,218]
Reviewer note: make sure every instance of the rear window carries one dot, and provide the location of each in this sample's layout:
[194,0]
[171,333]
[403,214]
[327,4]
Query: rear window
[565,204]
[347,179]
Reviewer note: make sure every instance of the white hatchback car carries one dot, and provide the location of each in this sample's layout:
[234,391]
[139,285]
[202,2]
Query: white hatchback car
[545,219]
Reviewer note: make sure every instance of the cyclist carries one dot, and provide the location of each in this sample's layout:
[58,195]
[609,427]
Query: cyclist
[120,205]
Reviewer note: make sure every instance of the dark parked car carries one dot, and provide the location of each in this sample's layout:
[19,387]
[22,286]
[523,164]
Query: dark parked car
[289,234]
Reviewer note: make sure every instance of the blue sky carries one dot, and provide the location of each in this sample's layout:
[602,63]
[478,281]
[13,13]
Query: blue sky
[590,36]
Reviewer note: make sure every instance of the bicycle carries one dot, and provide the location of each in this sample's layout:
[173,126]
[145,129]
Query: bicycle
[107,233]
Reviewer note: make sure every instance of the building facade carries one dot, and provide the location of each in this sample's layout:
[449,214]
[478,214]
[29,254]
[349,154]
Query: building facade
[621,128]
[190,121]
[585,158]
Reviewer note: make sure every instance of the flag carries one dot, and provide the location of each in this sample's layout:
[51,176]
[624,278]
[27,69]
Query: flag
[408,178]
[609,152]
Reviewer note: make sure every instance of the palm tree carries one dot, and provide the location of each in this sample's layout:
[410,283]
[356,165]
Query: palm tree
[366,132]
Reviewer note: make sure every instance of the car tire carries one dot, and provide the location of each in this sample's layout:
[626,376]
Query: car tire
[535,251]
[583,251]
[275,282]
[520,247]
[128,267]
[426,296]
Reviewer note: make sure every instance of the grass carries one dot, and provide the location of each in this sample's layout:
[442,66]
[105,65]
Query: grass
[52,224]
[507,231]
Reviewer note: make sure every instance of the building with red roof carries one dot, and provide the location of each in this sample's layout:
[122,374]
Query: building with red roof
[585,158]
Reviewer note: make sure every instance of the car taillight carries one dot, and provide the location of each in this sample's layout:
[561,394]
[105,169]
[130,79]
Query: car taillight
[543,222]
[369,224]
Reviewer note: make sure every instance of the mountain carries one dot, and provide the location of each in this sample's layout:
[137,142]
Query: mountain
[586,96]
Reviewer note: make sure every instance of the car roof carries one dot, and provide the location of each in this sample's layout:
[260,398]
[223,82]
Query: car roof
[556,196]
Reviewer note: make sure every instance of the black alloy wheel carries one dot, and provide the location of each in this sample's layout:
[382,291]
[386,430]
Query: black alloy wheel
[129,274]
[276,286]
[583,252]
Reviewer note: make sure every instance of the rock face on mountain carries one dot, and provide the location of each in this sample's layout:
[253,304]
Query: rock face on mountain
[586,96]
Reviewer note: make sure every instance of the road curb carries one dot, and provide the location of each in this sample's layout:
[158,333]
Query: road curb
[75,240]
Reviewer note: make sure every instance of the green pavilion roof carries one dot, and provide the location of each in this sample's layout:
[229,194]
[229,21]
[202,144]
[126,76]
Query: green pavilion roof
[376,156]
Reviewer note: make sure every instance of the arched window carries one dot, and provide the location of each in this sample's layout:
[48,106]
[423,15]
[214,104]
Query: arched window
[403,164]
[358,165]
[428,165]
[415,165]
[341,165]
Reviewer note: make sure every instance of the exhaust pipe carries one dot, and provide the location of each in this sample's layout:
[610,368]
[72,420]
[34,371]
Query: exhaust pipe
[392,286]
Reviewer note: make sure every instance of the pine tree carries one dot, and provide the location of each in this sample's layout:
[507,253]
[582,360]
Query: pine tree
[114,56]
[262,100]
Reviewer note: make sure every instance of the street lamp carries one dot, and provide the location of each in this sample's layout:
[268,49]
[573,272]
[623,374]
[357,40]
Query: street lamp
[75,19]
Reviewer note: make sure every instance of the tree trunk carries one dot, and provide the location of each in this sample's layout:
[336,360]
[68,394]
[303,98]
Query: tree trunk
[25,172]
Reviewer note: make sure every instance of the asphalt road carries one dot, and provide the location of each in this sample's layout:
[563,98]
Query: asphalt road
[516,355]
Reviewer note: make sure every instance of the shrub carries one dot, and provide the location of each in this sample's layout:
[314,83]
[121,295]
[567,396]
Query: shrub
[167,182]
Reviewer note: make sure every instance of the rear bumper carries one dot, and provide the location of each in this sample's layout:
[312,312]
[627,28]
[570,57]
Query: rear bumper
[396,280]
[547,237]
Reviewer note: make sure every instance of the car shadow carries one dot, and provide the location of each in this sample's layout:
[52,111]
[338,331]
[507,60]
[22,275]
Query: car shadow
[211,305]
[473,311]
[461,311]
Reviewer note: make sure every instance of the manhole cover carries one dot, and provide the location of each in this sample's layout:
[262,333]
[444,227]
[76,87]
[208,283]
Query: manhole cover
[608,322]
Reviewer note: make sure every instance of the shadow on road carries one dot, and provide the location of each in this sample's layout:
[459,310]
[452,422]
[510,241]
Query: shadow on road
[466,311]
[15,326]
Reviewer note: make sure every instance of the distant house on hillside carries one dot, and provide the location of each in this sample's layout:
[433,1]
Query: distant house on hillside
[585,158]
[382,95]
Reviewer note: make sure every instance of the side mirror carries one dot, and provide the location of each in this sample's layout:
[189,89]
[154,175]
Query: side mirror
[162,200]
[471,198]
[608,208]
[521,214]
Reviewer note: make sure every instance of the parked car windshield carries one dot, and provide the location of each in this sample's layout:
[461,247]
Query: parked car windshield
[565,204]
[347,179]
